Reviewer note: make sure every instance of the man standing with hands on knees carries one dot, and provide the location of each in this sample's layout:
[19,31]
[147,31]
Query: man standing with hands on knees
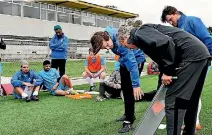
[130,83]
[193,25]
[177,53]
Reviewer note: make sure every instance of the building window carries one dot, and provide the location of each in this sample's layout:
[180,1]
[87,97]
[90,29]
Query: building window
[116,24]
[101,21]
[31,10]
[44,11]
[61,15]
[16,8]
[51,13]
[88,19]
[76,19]
[5,8]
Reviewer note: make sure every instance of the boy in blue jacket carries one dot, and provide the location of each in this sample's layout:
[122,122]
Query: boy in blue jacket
[26,78]
[194,26]
[58,45]
[129,72]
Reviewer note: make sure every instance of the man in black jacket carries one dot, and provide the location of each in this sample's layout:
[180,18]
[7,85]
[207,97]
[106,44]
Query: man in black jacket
[180,54]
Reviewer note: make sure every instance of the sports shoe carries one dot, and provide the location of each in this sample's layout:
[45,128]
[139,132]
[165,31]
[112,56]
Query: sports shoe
[92,88]
[35,98]
[100,99]
[107,95]
[27,99]
[126,127]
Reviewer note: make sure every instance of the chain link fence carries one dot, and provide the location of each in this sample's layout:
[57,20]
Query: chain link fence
[36,50]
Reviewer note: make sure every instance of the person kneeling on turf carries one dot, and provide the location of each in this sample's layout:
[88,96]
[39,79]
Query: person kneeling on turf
[26,83]
[52,81]
[111,87]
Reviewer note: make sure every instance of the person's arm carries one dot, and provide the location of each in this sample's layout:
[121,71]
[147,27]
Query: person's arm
[59,46]
[132,67]
[57,76]
[38,79]
[52,44]
[15,81]
[201,32]
[63,45]
[153,40]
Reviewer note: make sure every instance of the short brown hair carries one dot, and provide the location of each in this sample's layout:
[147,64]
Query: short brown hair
[90,50]
[168,10]
[97,40]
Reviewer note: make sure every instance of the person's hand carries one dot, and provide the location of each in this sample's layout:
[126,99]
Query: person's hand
[166,80]
[138,93]
[54,88]
[91,75]
[95,75]
[117,86]
[28,84]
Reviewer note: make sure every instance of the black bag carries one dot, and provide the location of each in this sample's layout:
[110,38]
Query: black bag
[2,44]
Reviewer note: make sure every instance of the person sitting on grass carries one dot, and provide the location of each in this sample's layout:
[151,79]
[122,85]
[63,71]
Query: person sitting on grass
[51,80]
[94,67]
[26,83]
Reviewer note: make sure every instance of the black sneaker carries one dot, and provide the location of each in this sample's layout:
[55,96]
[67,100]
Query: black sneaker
[27,99]
[126,127]
[92,88]
[123,117]
[35,98]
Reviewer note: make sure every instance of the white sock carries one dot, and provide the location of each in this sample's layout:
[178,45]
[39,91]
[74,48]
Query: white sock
[102,80]
[24,95]
[198,112]
[90,81]
[69,90]
[35,93]
[126,122]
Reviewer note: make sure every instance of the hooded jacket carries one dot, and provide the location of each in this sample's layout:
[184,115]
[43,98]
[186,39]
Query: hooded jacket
[127,57]
[195,26]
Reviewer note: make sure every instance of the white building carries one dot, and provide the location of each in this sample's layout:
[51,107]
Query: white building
[79,19]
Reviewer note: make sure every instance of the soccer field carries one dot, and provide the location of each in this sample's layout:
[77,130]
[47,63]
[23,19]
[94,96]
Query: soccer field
[63,116]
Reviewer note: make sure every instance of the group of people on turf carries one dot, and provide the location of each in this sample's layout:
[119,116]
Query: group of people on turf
[183,51]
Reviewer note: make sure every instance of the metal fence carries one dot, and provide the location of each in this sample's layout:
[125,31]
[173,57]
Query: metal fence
[36,50]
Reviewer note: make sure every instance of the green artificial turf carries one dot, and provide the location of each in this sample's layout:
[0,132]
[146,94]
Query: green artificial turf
[63,116]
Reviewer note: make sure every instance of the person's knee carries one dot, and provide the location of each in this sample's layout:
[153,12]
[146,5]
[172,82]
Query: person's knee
[37,88]
[102,75]
[65,77]
[18,90]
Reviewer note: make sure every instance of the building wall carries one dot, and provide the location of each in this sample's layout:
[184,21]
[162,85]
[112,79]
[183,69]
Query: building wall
[21,26]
